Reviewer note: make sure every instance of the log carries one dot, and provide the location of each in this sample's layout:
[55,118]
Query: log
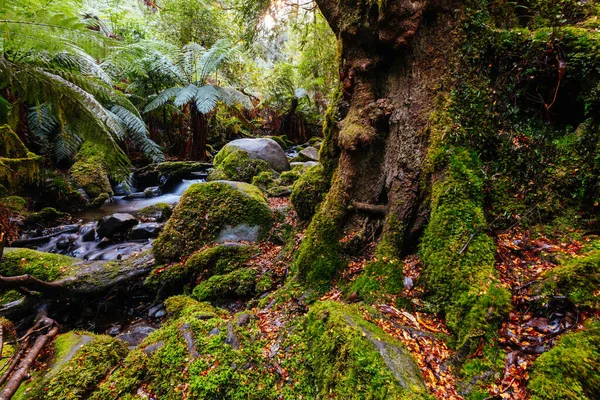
[370,208]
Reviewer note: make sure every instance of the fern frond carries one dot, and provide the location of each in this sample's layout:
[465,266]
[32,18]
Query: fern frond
[138,133]
[206,98]
[185,95]
[162,98]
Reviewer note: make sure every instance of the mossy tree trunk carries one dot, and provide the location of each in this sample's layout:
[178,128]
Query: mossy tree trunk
[393,55]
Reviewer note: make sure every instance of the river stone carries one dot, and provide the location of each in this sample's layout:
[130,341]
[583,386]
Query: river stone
[136,334]
[88,233]
[146,230]
[153,191]
[122,189]
[310,153]
[263,149]
[115,223]
[239,233]
[205,211]
[306,164]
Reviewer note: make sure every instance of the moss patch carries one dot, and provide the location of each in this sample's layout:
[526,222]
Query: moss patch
[204,210]
[240,283]
[577,278]
[570,370]
[157,212]
[308,192]
[90,172]
[236,165]
[44,266]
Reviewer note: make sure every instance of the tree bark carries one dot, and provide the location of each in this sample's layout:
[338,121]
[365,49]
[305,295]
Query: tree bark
[393,57]
[199,125]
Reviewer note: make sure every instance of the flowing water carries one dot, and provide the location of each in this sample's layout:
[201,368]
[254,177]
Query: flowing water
[73,244]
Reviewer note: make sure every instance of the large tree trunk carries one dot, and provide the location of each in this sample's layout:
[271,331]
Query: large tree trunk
[393,56]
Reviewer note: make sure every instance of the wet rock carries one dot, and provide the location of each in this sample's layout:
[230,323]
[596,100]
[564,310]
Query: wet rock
[115,224]
[310,154]
[115,330]
[146,230]
[262,148]
[153,191]
[157,311]
[104,243]
[136,334]
[214,332]
[83,194]
[134,196]
[88,233]
[123,189]
[159,212]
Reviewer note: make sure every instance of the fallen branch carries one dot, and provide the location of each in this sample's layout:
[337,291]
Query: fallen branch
[370,208]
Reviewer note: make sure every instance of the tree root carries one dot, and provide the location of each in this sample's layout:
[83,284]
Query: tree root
[17,370]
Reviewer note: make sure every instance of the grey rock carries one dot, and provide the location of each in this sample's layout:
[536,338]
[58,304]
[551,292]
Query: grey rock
[232,339]
[115,330]
[136,334]
[83,194]
[186,332]
[136,195]
[310,153]
[263,149]
[153,191]
[154,310]
[122,189]
[146,230]
[151,348]
[239,233]
[306,164]
[214,332]
[115,223]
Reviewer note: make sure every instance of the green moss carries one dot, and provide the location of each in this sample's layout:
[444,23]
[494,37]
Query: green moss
[570,370]
[352,358]
[45,215]
[90,171]
[75,375]
[204,210]
[157,212]
[213,260]
[308,192]
[318,259]
[180,169]
[17,163]
[240,283]
[179,306]
[237,165]
[44,266]
[577,278]
[280,140]
[14,203]
[265,180]
[9,295]
[288,178]
[458,256]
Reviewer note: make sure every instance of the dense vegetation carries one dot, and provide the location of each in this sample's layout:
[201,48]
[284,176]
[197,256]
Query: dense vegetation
[287,199]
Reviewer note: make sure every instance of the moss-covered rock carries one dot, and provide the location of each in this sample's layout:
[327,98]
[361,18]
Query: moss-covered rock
[205,211]
[577,278]
[45,216]
[80,362]
[17,163]
[265,180]
[44,266]
[237,165]
[240,283]
[308,192]
[90,172]
[158,212]
[217,259]
[355,359]
[570,370]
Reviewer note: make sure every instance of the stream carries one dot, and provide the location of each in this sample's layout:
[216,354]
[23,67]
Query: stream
[75,244]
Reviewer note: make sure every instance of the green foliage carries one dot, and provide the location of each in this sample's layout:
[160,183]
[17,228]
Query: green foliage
[45,215]
[206,208]
[570,370]
[157,212]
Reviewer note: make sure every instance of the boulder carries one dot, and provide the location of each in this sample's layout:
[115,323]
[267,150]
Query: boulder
[237,165]
[90,173]
[308,192]
[263,148]
[136,334]
[146,230]
[205,211]
[152,191]
[310,154]
[122,189]
[113,224]
[158,212]
[88,233]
